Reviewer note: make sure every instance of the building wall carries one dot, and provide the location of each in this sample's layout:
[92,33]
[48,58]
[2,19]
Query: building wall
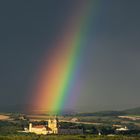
[39,130]
[70,131]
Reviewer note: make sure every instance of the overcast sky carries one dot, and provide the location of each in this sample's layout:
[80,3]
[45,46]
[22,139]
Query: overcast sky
[110,68]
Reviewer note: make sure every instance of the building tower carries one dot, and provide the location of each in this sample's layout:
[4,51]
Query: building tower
[53,125]
[30,127]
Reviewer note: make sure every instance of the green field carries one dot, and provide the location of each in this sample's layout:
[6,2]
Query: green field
[68,137]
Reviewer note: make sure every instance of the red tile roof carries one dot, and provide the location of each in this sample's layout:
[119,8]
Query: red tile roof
[39,126]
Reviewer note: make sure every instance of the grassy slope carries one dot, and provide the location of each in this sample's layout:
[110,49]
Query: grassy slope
[71,137]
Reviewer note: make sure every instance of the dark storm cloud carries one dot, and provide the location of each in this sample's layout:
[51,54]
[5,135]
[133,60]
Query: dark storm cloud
[110,69]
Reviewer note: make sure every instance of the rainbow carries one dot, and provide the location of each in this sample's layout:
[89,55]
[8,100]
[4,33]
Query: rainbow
[60,63]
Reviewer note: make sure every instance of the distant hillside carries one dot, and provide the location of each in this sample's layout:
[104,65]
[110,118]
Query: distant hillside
[103,113]
[133,111]
[109,113]
[70,112]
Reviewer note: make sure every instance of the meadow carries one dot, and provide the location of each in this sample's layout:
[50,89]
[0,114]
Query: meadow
[68,137]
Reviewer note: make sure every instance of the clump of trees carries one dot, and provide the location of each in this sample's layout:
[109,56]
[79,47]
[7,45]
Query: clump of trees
[12,127]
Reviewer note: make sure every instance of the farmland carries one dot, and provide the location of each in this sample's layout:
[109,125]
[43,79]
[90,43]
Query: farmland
[4,117]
